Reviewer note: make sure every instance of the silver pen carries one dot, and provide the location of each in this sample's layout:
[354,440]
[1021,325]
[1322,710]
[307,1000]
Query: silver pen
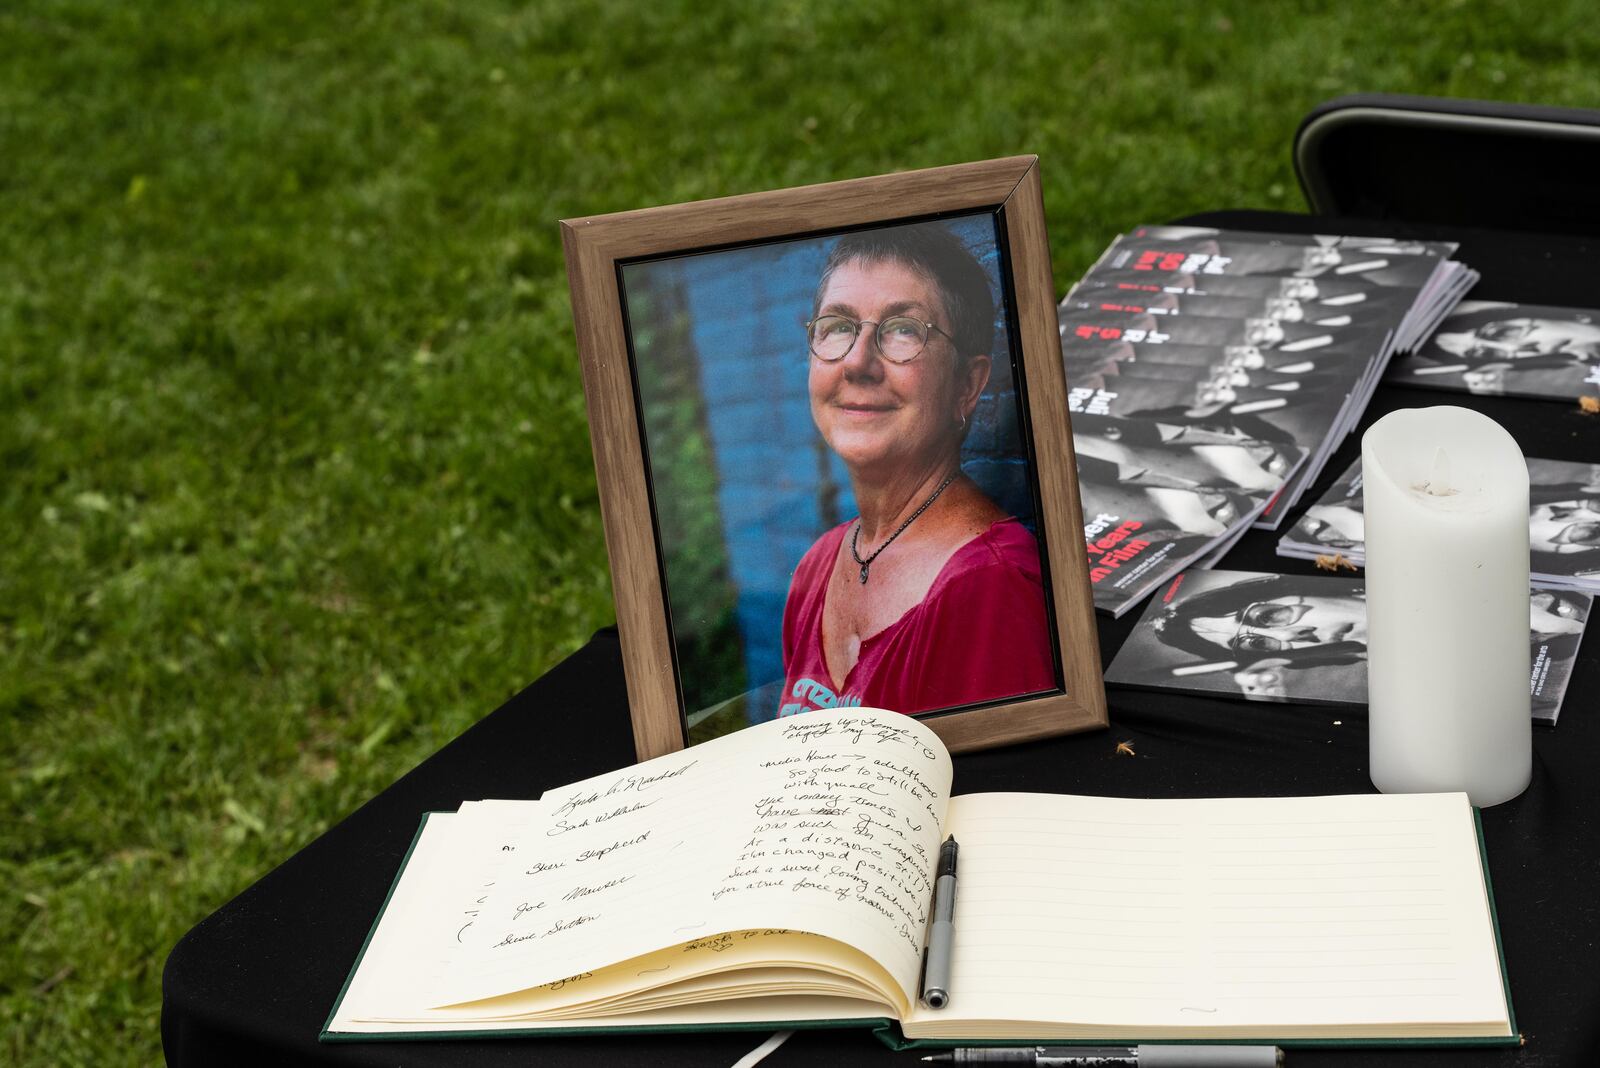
[941,936]
[1162,1056]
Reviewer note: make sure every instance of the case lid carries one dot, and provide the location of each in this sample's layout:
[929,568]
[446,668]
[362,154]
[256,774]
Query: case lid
[1456,162]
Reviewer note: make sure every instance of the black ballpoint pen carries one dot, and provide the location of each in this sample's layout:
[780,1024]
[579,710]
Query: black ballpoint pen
[1160,1056]
[941,936]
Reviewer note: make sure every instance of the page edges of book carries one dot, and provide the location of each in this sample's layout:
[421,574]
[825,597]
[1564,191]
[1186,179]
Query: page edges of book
[790,780]
[436,819]
[1494,922]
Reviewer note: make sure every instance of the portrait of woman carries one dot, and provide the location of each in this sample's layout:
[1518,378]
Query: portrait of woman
[844,503]
[931,596]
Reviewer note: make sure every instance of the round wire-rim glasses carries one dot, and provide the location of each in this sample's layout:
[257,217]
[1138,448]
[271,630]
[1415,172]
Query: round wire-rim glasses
[899,338]
[1267,615]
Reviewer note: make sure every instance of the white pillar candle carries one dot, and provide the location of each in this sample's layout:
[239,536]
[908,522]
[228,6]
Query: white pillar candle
[1447,605]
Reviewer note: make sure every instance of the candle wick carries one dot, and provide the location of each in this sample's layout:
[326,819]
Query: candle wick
[1437,484]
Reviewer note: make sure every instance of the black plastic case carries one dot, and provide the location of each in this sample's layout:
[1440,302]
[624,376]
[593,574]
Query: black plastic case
[1454,162]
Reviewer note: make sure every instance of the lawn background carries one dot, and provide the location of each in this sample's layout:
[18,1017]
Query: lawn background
[296,474]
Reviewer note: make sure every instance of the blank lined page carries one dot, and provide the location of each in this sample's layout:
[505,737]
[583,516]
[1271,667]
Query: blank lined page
[1228,915]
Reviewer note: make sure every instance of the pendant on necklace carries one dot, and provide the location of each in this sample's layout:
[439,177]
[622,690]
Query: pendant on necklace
[863,574]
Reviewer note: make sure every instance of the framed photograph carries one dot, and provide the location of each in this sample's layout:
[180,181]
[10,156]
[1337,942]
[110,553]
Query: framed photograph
[835,466]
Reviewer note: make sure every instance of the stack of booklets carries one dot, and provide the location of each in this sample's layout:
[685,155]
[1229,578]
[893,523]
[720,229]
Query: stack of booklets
[1303,639]
[1160,496]
[1563,525]
[782,876]
[1255,354]
[1512,350]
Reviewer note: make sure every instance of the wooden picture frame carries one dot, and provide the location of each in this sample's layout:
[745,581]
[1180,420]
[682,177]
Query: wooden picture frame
[600,248]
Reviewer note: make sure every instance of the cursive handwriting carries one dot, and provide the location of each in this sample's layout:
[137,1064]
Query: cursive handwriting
[605,851]
[585,891]
[835,822]
[636,783]
[563,825]
[557,984]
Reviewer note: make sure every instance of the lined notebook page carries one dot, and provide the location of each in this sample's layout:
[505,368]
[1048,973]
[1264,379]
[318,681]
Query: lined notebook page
[1223,914]
[382,996]
[826,823]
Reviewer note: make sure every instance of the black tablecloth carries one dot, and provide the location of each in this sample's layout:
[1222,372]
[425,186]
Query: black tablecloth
[254,982]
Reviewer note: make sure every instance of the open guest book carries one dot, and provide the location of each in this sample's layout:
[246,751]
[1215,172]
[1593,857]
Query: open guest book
[782,876]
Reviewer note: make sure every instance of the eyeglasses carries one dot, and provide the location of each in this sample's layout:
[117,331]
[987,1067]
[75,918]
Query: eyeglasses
[1266,615]
[899,338]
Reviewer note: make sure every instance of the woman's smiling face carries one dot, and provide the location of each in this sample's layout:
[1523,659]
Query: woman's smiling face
[882,417]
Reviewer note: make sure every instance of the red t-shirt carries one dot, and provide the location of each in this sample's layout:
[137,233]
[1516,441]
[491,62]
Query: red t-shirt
[979,634]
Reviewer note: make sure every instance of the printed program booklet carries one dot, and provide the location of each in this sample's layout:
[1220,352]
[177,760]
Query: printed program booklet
[1099,324]
[1273,340]
[1201,257]
[783,875]
[1327,388]
[1157,496]
[1512,350]
[1237,365]
[1563,524]
[1303,639]
[1362,306]
[1423,266]
[1286,414]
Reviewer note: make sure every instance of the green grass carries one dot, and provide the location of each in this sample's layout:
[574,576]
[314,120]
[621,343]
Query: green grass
[296,473]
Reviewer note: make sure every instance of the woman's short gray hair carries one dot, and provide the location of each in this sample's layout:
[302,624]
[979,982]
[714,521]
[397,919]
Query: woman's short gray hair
[933,251]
